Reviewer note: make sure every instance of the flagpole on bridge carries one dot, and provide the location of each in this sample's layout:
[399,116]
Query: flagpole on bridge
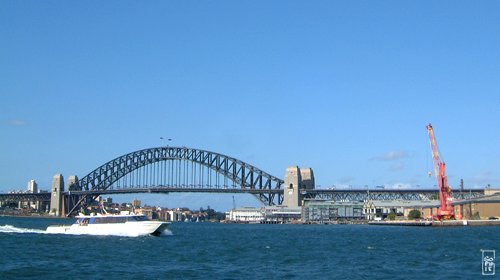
[163,140]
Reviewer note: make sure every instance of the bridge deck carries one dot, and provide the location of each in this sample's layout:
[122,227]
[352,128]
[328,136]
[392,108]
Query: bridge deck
[332,194]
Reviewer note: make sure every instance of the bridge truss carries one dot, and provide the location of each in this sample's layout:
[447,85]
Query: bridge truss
[175,168]
[389,194]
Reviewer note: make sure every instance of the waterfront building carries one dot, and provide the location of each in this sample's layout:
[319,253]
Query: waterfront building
[136,203]
[323,211]
[176,215]
[281,214]
[246,215]
[268,214]
[380,209]
[148,211]
[486,207]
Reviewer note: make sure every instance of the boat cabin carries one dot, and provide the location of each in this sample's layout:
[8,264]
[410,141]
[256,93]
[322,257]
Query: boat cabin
[110,219]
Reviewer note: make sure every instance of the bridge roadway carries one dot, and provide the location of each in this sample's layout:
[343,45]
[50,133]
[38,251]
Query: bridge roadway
[385,194]
[45,196]
[326,194]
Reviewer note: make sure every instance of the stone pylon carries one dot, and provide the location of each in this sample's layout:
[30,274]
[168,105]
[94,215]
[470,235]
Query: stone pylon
[71,199]
[73,183]
[291,188]
[296,180]
[307,175]
[56,202]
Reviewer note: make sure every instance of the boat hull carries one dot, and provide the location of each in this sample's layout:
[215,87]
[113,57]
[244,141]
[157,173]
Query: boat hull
[119,229]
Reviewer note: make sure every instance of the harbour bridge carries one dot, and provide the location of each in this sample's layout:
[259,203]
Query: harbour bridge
[181,169]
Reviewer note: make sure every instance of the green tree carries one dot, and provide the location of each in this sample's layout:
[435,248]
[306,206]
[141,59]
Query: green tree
[476,216]
[391,216]
[414,214]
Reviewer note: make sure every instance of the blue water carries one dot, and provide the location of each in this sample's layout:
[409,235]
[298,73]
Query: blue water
[232,251]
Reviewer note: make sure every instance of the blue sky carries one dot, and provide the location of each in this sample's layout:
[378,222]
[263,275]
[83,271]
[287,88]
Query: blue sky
[344,87]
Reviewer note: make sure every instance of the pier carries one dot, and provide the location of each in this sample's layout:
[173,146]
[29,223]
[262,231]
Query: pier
[448,223]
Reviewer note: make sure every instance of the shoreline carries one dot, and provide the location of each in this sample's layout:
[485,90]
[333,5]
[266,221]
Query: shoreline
[450,223]
[32,216]
[421,223]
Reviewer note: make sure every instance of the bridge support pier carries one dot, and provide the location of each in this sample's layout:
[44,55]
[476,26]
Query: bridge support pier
[296,181]
[56,199]
[71,200]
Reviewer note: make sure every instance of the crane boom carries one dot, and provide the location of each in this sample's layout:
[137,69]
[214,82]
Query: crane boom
[446,209]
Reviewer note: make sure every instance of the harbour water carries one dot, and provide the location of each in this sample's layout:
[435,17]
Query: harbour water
[235,251]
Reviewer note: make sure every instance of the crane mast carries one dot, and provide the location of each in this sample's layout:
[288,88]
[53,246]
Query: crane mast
[445,210]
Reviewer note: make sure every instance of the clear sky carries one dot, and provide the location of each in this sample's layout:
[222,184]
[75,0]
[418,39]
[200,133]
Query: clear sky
[344,87]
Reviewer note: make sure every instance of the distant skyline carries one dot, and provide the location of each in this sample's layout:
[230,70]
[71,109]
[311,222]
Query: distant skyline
[346,88]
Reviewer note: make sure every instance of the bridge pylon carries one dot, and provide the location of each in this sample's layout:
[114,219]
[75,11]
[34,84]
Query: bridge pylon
[56,198]
[297,180]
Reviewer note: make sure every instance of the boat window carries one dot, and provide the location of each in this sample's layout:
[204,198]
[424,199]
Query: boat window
[139,218]
[110,219]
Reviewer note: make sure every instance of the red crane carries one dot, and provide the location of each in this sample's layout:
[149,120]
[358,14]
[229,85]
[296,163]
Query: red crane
[445,211]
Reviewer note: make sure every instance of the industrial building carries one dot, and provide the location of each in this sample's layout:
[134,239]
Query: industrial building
[486,207]
[380,209]
[281,214]
[321,211]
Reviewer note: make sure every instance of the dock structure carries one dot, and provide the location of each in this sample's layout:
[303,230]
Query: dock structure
[446,223]
[402,223]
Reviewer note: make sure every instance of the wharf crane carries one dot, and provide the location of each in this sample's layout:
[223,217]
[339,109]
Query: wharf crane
[445,211]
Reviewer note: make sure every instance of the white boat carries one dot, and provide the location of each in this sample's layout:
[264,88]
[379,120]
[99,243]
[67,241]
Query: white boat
[121,225]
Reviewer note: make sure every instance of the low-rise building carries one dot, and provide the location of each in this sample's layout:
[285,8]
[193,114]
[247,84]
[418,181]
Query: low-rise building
[380,209]
[246,215]
[268,214]
[281,214]
[321,211]
[484,207]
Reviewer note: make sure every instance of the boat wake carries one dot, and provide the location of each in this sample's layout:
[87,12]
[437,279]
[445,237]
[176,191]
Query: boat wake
[13,229]
[166,233]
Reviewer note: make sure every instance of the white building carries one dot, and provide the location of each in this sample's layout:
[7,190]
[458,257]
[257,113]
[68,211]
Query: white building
[32,186]
[246,215]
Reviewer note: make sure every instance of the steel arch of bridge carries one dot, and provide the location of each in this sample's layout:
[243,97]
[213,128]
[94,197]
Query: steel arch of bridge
[244,175]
